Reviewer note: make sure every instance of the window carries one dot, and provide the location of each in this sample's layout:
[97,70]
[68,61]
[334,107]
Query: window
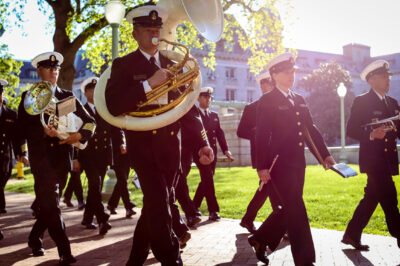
[250,96]
[230,73]
[250,76]
[230,94]
[210,74]
[33,74]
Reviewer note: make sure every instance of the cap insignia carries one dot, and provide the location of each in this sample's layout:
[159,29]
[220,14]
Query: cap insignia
[291,60]
[386,66]
[53,58]
[153,15]
[94,81]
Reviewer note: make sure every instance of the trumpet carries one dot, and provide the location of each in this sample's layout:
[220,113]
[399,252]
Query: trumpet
[388,123]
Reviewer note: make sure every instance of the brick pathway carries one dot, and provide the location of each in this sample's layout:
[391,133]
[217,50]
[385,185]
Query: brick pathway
[212,243]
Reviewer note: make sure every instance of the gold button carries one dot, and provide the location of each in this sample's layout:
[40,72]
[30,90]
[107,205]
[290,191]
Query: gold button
[95,140]
[95,133]
[172,133]
[394,150]
[215,144]
[96,147]
[105,147]
[206,131]
[2,143]
[298,123]
[300,144]
[2,151]
[297,113]
[386,140]
[51,144]
[213,137]
[213,131]
[4,135]
[385,150]
[154,132]
[105,131]
[105,139]
[300,133]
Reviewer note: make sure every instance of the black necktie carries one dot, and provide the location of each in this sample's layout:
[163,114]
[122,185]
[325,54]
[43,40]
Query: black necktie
[153,63]
[385,104]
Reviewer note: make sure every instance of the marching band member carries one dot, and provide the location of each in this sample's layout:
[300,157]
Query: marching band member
[153,154]
[283,119]
[378,154]
[51,159]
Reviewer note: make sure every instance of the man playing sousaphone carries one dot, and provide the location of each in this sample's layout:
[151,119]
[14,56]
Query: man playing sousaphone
[50,159]
[153,154]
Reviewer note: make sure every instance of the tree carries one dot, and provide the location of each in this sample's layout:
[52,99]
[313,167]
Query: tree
[323,100]
[9,70]
[77,21]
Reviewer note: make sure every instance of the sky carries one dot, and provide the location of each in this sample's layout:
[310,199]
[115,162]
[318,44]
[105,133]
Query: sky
[316,25]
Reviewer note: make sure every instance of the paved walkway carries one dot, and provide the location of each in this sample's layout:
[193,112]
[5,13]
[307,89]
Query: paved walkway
[213,243]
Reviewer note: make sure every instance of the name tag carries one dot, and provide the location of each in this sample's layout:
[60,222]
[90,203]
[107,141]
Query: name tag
[283,107]
[139,77]
[378,112]
[9,120]
[215,119]
[303,105]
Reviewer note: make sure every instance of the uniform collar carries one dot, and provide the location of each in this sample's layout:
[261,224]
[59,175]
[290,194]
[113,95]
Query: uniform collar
[203,111]
[91,105]
[379,95]
[156,56]
[289,93]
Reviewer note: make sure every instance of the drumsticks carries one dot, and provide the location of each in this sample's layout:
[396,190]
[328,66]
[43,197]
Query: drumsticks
[270,169]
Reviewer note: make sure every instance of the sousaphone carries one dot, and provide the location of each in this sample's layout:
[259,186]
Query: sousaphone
[207,18]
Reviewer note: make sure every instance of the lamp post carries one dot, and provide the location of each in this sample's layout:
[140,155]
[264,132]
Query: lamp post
[115,13]
[341,91]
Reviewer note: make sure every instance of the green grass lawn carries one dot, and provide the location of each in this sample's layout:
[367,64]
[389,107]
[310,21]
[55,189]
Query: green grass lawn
[329,198]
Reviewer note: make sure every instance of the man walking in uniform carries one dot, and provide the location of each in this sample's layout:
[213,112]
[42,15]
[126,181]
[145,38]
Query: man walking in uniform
[9,142]
[378,153]
[154,154]
[50,159]
[283,119]
[95,159]
[247,130]
[213,129]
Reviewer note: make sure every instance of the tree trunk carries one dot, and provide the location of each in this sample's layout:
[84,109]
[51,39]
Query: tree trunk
[67,73]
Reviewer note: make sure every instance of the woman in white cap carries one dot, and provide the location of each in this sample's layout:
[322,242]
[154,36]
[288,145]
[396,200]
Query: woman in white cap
[283,120]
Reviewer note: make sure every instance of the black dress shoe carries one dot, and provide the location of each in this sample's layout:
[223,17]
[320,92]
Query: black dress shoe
[37,252]
[81,205]
[104,227]
[249,226]
[68,202]
[129,213]
[112,210]
[67,260]
[132,204]
[197,213]
[192,220]
[1,235]
[357,245]
[214,216]
[3,211]
[184,239]
[89,225]
[259,249]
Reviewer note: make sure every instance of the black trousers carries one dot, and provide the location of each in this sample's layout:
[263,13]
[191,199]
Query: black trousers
[3,181]
[94,205]
[47,190]
[74,186]
[121,168]
[380,189]
[206,186]
[182,189]
[287,189]
[154,228]
[255,204]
